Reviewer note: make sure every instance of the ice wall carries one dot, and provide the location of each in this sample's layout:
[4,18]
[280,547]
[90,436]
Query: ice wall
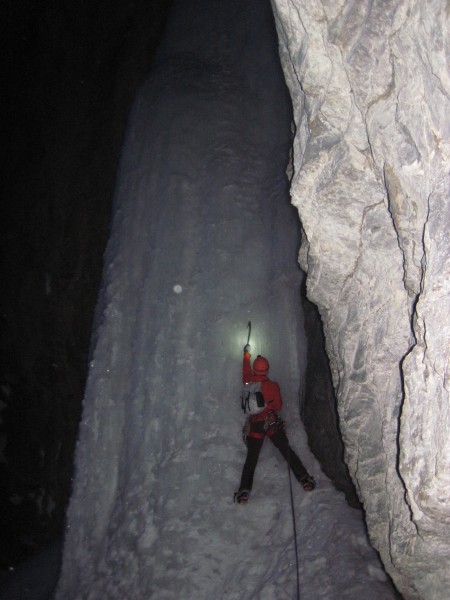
[370,87]
[204,239]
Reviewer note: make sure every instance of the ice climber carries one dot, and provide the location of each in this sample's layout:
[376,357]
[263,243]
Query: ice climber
[268,423]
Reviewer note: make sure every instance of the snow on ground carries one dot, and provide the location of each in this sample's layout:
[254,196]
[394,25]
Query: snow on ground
[204,239]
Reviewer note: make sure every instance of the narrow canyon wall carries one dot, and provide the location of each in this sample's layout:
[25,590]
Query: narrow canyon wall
[370,86]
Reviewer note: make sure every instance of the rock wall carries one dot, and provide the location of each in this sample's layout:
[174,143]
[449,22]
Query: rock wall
[370,86]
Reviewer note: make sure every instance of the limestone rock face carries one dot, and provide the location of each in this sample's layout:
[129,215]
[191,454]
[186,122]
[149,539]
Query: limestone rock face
[370,86]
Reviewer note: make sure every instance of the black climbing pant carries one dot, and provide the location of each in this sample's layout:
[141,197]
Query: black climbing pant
[254,446]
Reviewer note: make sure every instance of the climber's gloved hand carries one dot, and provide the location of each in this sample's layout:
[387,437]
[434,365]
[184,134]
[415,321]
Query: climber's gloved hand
[247,348]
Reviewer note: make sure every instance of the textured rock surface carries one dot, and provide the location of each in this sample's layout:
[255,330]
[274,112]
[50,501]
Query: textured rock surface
[370,87]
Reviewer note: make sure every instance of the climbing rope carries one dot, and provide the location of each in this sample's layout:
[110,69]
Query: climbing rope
[294,526]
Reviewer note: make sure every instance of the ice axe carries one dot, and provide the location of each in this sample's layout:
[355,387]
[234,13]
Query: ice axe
[247,345]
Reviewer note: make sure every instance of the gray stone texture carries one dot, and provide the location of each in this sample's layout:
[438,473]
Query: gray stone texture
[370,86]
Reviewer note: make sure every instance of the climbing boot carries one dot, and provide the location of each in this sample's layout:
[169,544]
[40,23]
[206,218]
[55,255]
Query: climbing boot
[308,483]
[242,497]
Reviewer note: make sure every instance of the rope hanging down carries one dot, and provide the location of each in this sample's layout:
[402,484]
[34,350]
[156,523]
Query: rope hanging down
[294,527]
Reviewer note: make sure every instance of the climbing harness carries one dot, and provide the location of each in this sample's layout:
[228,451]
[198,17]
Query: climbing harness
[271,425]
[274,423]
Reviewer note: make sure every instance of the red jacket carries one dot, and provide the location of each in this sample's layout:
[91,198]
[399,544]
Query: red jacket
[270,389]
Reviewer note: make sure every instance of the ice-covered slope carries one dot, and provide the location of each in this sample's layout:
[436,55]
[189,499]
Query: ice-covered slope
[203,240]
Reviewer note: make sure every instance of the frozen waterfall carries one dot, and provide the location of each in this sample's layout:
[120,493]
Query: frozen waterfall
[203,240]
